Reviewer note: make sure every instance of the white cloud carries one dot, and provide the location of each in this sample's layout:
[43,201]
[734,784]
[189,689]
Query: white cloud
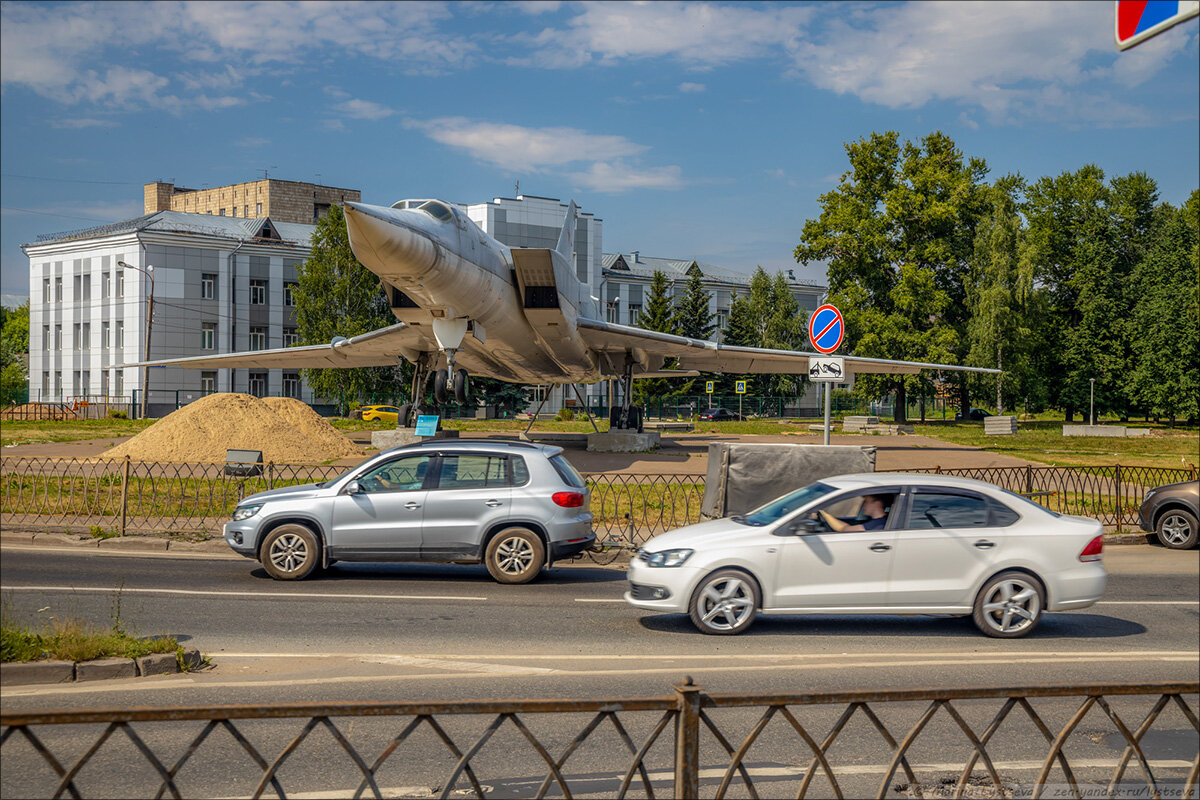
[363,109]
[1013,60]
[692,88]
[694,33]
[617,176]
[78,123]
[516,148]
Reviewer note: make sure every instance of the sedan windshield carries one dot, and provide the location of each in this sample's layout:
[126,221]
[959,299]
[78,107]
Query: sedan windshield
[779,508]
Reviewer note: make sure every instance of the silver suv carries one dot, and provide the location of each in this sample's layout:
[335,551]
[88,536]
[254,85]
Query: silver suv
[514,506]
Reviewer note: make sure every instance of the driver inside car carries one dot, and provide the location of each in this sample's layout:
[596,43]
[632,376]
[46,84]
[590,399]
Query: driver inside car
[874,508]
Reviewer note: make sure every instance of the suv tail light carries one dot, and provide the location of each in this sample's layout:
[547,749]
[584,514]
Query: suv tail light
[568,499]
[1094,550]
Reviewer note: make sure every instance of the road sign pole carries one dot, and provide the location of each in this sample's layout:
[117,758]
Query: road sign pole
[828,403]
[740,405]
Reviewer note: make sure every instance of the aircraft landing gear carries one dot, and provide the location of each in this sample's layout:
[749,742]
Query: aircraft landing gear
[628,417]
[443,386]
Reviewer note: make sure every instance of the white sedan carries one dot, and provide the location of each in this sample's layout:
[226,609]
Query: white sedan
[881,543]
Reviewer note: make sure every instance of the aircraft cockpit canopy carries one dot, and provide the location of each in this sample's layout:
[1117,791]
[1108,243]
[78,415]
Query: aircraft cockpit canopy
[434,208]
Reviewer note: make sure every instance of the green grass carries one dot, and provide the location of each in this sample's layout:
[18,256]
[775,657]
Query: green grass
[1042,441]
[14,432]
[74,639]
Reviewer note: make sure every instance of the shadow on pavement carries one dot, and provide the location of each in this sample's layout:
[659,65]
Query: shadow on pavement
[350,572]
[1052,626]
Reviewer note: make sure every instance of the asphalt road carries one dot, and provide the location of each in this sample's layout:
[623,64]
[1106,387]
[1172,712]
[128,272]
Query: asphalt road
[442,632]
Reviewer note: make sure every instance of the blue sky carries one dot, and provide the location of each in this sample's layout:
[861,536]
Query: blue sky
[692,129]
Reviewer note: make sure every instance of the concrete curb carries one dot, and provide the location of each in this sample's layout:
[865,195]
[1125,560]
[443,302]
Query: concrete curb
[22,673]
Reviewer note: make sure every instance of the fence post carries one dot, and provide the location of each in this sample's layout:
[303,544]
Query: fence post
[270,475]
[1028,479]
[1120,505]
[124,494]
[687,740]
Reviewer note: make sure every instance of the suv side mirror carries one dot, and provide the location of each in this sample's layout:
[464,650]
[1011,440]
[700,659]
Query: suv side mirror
[353,487]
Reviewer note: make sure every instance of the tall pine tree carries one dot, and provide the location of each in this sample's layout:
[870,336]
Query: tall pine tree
[658,314]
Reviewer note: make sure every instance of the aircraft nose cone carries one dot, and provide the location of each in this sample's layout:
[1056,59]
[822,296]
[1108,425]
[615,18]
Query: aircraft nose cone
[387,244]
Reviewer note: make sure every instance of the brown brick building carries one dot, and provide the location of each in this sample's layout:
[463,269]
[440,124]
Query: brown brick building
[282,201]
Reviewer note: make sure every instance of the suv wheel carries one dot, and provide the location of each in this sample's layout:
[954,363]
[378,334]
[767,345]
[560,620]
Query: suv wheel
[290,553]
[1177,529]
[515,555]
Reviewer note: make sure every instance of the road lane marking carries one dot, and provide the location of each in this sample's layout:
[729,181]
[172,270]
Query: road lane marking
[599,600]
[244,594]
[1149,603]
[467,666]
[198,682]
[86,550]
[697,656]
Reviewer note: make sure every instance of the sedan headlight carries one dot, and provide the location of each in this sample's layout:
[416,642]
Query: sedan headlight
[667,558]
[245,512]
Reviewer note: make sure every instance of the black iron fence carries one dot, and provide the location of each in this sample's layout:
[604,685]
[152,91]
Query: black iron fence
[119,497]
[1062,741]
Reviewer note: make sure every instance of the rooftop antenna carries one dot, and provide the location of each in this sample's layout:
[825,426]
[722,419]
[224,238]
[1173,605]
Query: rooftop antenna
[517,189]
[266,173]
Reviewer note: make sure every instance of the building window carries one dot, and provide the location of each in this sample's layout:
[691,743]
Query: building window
[258,338]
[120,283]
[208,286]
[58,289]
[58,385]
[105,383]
[58,337]
[45,384]
[289,293]
[119,374]
[222,212]
[291,384]
[45,290]
[105,335]
[208,336]
[208,382]
[85,385]
[291,337]
[106,285]
[634,313]
[245,211]
[45,339]
[120,337]
[78,289]
[85,337]
[258,209]
[75,383]
[87,287]
[258,293]
[75,337]
[258,384]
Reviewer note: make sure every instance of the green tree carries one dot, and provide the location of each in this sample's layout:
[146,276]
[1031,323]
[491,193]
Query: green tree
[897,234]
[694,320]
[658,314]
[337,296]
[1164,378]
[14,346]
[998,292]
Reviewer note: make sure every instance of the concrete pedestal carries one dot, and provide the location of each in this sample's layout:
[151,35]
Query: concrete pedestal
[1111,431]
[620,441]
[400,436]
[557,438]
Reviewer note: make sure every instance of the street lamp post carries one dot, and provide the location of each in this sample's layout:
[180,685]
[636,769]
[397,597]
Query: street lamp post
[149,273]
[1092,403]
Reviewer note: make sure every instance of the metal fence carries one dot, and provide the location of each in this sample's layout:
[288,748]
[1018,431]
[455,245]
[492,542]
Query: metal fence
[120,497]
[1066,741]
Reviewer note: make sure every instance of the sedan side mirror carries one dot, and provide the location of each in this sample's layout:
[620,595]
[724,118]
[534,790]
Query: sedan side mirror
[798,527]
[353,487]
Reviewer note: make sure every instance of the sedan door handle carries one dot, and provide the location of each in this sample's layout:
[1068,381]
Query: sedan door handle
[984,544]
[880,547]
[493,503]
[411,505]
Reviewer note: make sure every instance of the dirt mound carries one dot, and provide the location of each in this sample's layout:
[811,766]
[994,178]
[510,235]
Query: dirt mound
[285,430]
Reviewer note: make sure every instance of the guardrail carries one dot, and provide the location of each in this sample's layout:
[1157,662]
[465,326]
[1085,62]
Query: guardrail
[123,496]
[686,745]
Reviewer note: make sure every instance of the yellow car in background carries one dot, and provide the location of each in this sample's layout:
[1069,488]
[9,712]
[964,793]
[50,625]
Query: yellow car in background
[385,413]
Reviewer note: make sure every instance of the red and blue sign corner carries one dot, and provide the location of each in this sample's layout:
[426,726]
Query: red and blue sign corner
[826,329]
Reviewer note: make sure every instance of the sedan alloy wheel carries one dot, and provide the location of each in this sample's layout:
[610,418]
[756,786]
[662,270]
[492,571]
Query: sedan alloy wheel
[1009,606]
[724,603]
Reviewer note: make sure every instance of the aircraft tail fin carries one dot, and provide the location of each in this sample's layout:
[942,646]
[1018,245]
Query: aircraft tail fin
[566,239]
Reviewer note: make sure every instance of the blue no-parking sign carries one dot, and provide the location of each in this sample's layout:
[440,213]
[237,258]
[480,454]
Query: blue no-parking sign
[826,329]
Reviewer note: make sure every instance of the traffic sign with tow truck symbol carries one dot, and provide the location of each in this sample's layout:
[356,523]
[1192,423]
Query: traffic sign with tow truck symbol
[831,369]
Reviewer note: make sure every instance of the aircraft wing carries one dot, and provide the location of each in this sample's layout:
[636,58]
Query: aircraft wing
[694,354]
[380,348]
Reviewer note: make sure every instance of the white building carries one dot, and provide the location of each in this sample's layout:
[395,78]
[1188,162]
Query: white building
[221,284]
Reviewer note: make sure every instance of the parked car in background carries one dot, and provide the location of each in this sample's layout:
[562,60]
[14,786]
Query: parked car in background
[514,506]
[385,413]
[719,414]
[877,544]
[974,415]
[1171,512]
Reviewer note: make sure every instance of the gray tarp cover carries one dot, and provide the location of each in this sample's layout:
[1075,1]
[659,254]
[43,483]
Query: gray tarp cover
[744,476]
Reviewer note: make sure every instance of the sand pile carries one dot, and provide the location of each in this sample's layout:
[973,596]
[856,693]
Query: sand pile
[285,430]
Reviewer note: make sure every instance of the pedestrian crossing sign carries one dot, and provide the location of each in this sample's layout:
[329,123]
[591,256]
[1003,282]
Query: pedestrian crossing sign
[708,386]
[739,387]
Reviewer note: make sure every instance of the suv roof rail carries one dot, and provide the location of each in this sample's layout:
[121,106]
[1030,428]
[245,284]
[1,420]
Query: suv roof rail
[465,442]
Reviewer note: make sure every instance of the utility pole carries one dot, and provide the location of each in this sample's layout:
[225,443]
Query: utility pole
[149,273]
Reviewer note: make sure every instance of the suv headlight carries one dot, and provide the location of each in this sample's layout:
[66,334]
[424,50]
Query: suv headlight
[245,512]
[667,558]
